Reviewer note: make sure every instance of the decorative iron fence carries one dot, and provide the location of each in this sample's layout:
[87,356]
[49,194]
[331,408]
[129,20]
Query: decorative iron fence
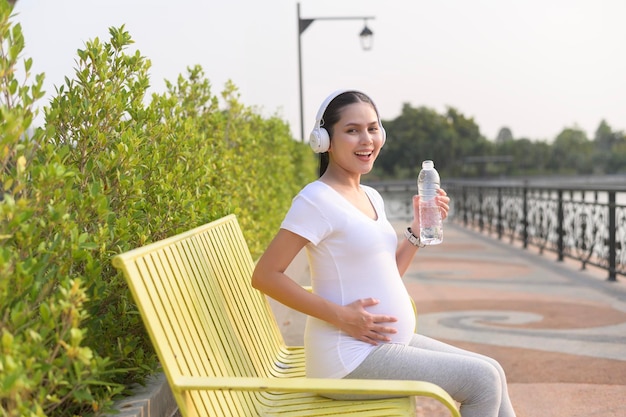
[585,222]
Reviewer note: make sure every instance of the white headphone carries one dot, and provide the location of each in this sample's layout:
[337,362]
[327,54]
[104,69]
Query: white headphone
[319,139]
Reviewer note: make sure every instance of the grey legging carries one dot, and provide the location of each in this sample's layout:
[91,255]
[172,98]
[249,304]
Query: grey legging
[476,381]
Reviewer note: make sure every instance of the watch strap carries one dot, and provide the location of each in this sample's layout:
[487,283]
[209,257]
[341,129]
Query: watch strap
[412,238]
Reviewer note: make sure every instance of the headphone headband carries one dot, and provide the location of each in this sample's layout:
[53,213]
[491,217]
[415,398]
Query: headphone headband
[319,139]
[326,102]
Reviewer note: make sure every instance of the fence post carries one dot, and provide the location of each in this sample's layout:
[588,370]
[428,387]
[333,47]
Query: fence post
[612,237]
[465,206]
[525,216]
[499,215]
[481,222]
[560,229]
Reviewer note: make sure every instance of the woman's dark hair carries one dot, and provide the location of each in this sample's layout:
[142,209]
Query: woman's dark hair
[332,114]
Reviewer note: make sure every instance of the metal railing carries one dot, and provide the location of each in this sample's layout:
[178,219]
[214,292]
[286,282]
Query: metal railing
[581,221]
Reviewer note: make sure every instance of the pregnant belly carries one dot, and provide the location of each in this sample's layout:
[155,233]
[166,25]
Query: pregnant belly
[403,312]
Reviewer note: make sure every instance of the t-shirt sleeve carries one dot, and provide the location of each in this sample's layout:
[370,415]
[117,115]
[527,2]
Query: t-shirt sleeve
[305,218]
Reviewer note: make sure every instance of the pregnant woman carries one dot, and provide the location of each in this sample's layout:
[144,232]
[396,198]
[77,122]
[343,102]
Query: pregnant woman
[360,317]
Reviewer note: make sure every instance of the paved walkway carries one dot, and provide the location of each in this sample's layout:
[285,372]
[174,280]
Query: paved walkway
[560,333]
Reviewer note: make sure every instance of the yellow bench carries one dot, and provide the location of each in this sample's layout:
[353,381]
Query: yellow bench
[219,344]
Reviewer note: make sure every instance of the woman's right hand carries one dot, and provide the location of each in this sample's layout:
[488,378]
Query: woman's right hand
[357,322]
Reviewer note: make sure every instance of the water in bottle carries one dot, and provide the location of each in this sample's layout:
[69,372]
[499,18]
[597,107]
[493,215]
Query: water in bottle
[431,224]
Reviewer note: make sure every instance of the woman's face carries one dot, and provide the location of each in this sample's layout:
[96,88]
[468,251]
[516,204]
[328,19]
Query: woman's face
[357,139]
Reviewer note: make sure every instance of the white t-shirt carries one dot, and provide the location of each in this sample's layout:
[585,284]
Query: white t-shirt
[351,256]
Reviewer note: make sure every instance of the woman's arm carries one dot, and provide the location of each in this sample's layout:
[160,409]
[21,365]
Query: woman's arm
[269,277]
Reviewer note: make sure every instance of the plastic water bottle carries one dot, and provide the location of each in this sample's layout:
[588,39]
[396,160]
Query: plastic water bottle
[431,224]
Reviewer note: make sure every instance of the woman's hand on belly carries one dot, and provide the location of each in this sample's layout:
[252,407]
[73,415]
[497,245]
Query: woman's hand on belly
[356,321]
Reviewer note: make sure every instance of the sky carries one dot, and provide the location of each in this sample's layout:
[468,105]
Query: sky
[534,66]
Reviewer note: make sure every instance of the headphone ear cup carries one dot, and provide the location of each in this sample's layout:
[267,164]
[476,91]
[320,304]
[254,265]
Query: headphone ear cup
[319,140]
[382,129]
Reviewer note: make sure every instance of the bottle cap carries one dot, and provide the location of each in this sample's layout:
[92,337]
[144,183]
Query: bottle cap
[428,164]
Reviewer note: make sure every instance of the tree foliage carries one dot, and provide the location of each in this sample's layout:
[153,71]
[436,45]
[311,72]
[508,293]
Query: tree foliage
[458,148]
[421,133]
[504,135]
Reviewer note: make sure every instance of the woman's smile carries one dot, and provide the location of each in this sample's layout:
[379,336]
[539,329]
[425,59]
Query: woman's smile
[364,155]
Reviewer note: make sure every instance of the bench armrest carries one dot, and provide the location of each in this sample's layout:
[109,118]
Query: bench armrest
[319,385]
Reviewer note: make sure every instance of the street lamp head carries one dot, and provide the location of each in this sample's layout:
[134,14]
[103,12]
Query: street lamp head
[367,38]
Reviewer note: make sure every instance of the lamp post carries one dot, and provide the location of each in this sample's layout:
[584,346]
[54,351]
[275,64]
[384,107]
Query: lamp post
[366,36]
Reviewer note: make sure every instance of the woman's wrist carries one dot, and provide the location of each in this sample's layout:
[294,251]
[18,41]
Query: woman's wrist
[413,237]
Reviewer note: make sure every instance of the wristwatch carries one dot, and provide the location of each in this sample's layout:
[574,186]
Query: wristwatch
[414,240]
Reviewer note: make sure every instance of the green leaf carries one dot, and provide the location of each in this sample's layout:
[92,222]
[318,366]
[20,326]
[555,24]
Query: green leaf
[7,341]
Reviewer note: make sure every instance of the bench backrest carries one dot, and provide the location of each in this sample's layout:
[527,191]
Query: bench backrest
[194,294]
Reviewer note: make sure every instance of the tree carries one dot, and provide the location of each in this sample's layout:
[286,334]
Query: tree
[467,141]
[529,157]
[504,135]
[421,133]
[571,152]
[604,137]
[417,134]
[608,156]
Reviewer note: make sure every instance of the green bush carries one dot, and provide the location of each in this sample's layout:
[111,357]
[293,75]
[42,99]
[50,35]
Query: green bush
[108,172]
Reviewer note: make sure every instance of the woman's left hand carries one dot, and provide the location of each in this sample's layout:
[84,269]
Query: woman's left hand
[443,201]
